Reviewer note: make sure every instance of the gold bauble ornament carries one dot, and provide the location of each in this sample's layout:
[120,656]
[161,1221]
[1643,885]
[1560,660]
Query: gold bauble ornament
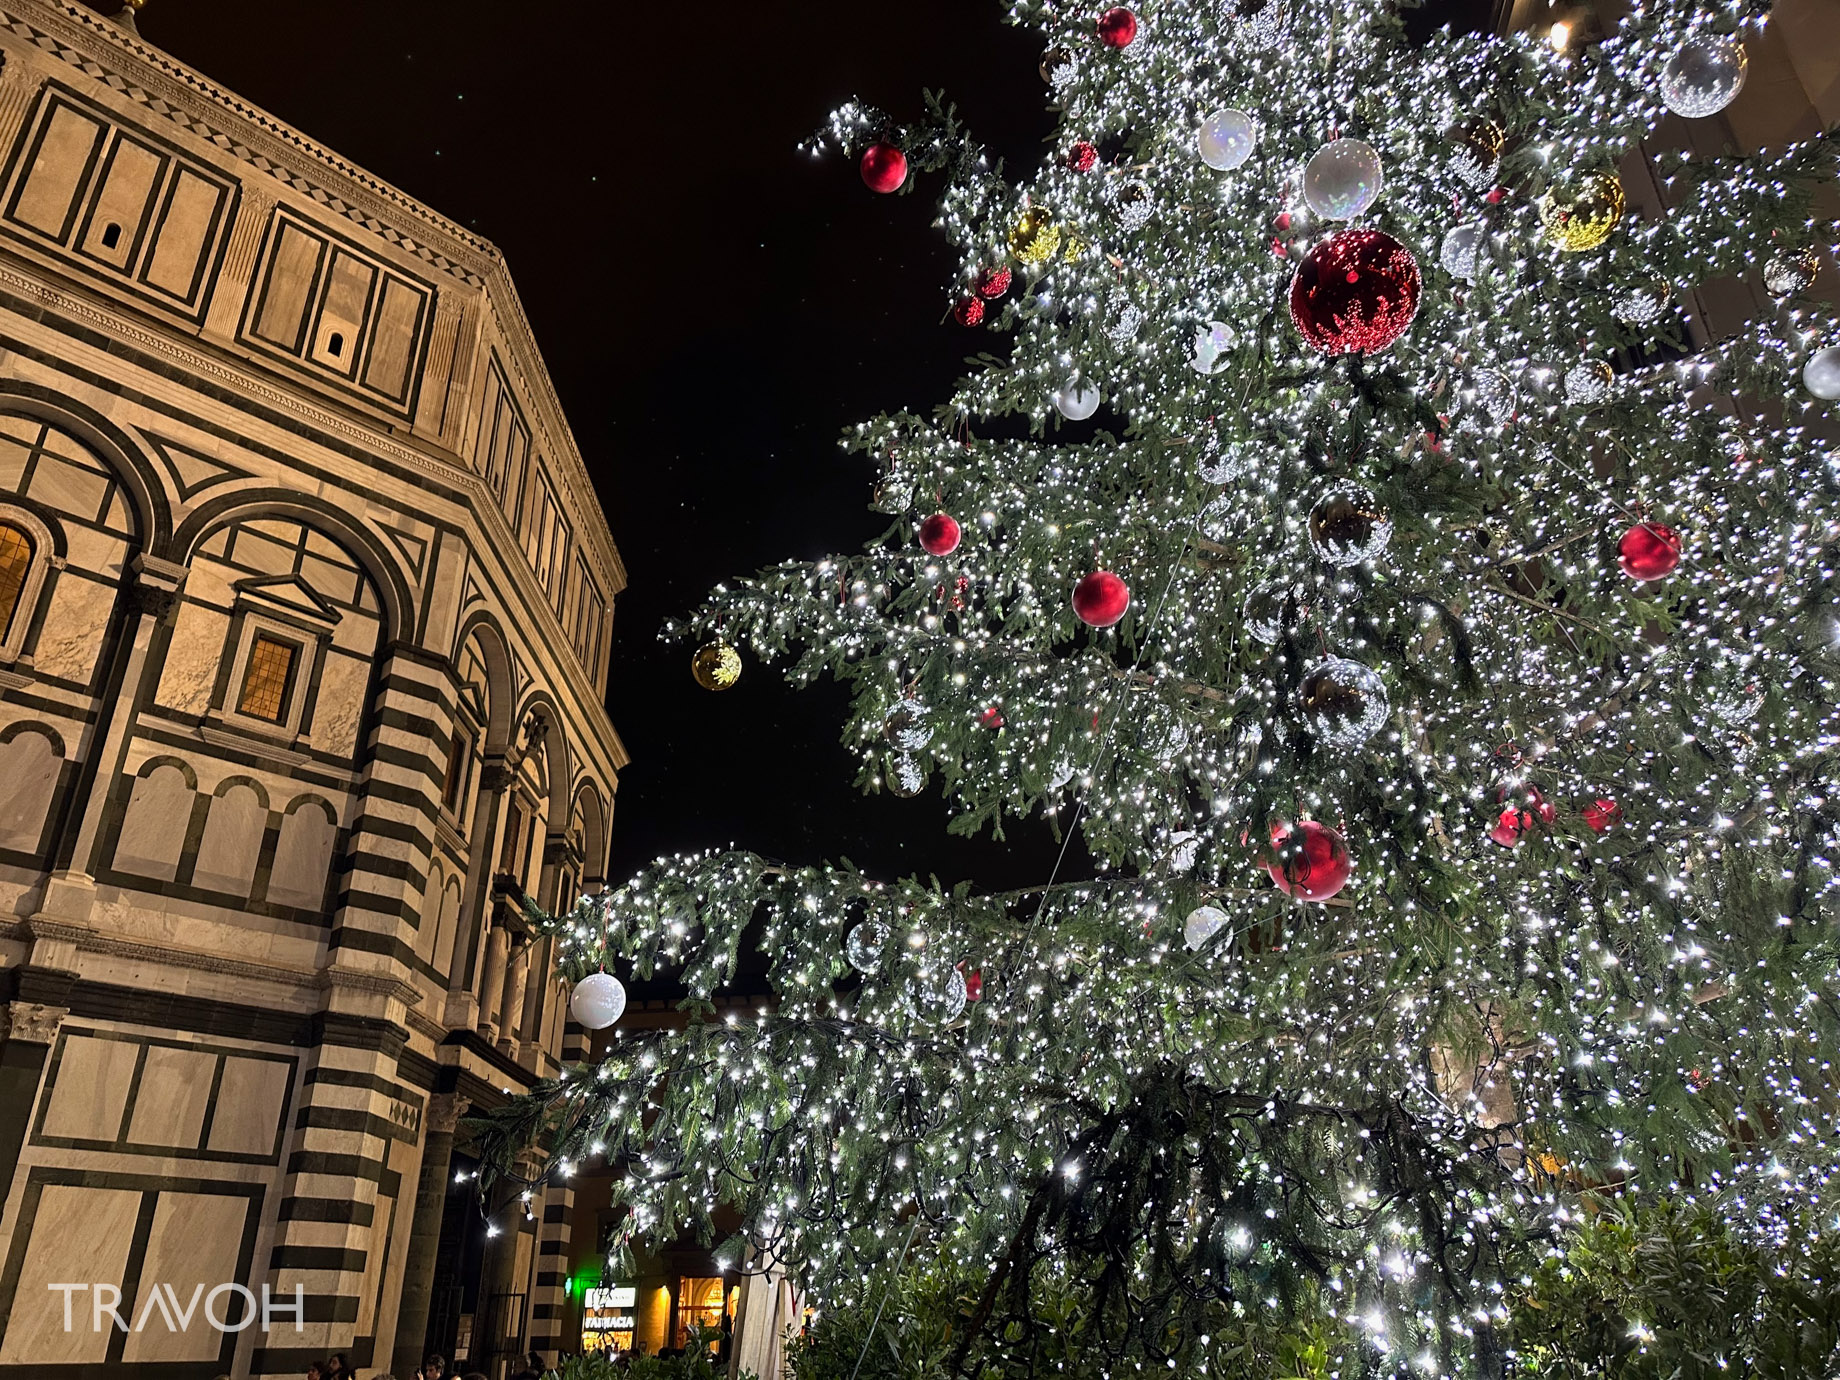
[1034,237]
[1072,248]
[1581,214]
[716,665]
[1475,153]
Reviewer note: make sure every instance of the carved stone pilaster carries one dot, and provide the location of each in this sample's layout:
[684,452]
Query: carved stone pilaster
[156,586]
[495,775]
[30,1022]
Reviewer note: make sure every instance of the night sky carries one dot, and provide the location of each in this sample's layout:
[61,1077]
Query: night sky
[714,306]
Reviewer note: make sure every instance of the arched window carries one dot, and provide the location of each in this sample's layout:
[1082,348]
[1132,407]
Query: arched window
[15,565]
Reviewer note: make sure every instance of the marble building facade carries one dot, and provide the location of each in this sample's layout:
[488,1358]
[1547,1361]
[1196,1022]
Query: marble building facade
[305,601]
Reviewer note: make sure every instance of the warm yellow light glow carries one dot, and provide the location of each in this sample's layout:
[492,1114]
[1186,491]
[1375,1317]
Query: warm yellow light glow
[1559,35]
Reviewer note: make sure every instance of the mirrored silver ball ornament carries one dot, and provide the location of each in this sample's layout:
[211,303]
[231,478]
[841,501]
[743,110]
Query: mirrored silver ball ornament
[1704,76]
[863,945]
[1461,253]
[1202,925]
[1496,394]
[1349,525]
[938,993]
[598,1001]
[906,776]
[1227,139]
[1821,375]
[1343,702]
[1588,382]
[1342,179]
[1076,400]
[1790,272]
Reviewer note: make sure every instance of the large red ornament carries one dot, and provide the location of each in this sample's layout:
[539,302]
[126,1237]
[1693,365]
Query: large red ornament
[969,311]
[1312,862]
[1355,293]
[993,282]
[1101,599]
[1649,551]
[1603,814]
[992,717]
[939,535]
[884,168]
[1117,27]
[1509,828]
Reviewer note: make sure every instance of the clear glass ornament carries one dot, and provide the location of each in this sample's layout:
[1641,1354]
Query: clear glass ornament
[1821,376]
[863,945]
[1704,76]
[1227,139]
[938,994]
[1588,382]
[1640,306]
[1343,179]
[1202,925]
[906,776]
[1216,519]
[1789,273]
[1271,610]
[1343,702]
[1496,395]
[1076,400]
[1475,154]
[908,726]
[1461,253]
[1348,526]
[1739,704]
[1222,464]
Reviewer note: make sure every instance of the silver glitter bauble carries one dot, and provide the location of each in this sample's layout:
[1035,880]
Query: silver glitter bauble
[938,994]
[1076,401]
[1266,24]
[1348,526]
[1588,382]
[1740,704]
[1342,179]
[1273,608]
[1790,272]
[1704,76]
[1202,925]
[1216,519]
[1127,320]
[1642,305]
[863,945]
[1343,702]
[1461,253]
[908,727]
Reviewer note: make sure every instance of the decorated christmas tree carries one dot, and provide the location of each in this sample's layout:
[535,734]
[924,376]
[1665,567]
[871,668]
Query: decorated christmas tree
[1345,533]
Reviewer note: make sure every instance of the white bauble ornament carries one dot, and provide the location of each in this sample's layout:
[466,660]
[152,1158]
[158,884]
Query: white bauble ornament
[1461,254]
[1077,400]
[1821,377]
[863,945]
[1227,139]
[1213,344]
[1202,925]
[1184,846]
[597,1001]
[1342,179]
[1704,76]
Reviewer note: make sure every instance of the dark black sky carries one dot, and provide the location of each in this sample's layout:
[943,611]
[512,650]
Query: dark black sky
[714,307]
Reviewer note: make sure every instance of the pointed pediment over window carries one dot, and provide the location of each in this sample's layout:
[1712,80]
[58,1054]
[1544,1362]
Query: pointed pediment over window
[288,592]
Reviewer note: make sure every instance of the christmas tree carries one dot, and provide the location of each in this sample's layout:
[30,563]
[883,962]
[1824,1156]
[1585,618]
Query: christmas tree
[1433,646]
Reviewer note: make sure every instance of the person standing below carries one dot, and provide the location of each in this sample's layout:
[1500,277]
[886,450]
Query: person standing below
[339,1367]
[434,1367]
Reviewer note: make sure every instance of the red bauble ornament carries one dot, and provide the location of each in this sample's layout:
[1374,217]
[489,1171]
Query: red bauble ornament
[1355,293]
[992,717]
[1649,551]
[939,536]
[993,282]
[1117,27]
[1082,157]
[1101,599]
[1312,862]
[884,168]
[1544,808]
[974,985]
[1509,828]
[1603,814]
[969,311]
